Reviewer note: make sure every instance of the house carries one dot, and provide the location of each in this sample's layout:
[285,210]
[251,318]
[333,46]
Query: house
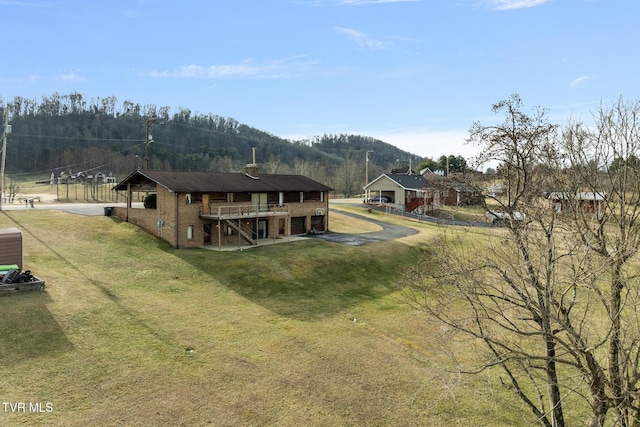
[450,190]
[57,176]
[585,201]
[194,209]
[421,193]
[403,191]
[104,178]
[69,177]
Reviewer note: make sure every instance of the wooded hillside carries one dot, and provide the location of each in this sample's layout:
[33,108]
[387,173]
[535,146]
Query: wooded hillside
[74,134]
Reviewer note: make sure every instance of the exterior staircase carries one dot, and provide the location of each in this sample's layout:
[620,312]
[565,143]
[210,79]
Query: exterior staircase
[244,231]
[416,205]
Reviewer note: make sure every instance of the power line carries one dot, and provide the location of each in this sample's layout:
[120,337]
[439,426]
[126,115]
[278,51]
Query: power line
[78,138]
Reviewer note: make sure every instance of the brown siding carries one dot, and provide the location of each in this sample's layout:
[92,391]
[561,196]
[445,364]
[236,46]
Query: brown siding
[10,246]
[218,197]
[292,197]
[312,196]
[242,197]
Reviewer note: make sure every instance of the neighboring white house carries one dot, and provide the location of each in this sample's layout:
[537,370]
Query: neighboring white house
[401,189]
[69,177]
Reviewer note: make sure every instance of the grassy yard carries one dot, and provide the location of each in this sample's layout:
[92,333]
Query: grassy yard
[133,332]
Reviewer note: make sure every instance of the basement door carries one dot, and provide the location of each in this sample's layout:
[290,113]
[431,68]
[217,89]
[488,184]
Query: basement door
[317,222]
[207,234]
[298,225]
[262,231]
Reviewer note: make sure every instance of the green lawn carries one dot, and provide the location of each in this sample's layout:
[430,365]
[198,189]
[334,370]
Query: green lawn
[133,332]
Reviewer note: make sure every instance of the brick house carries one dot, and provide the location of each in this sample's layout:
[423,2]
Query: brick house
[195,209]
[450,190]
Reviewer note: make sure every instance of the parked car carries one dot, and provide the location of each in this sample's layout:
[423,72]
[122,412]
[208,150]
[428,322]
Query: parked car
[499,218]
[379,199]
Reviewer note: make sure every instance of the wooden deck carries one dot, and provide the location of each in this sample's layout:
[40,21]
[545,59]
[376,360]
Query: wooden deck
[244,211]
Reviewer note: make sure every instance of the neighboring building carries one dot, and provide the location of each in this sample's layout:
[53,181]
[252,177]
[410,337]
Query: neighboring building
[403,171]
[104,178]
[56,177]
[194,209]
[450,190]
[421,193]
[402,190]
[59,177]
[586,201]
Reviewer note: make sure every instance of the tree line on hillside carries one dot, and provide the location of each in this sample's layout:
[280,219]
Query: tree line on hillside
[73,133]
[445,164]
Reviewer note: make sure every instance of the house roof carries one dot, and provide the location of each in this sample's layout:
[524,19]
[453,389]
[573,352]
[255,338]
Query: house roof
[407,182]
[208,182]
[580,195]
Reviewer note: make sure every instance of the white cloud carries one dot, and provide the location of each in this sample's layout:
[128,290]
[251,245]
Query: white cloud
[20,3]
[349,2]
[359,2]
[247,69]
[361,39]
[580,80]
[64,77]
[70,77]
[514,4]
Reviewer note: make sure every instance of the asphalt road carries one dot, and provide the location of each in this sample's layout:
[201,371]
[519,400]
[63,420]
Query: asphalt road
[87,209]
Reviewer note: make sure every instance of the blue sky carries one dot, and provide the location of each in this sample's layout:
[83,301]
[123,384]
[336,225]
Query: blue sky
[413,73]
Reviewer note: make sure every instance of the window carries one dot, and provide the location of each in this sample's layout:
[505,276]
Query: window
[189,232]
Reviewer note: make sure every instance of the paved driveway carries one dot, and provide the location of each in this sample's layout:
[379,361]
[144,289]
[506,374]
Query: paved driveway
[388,232]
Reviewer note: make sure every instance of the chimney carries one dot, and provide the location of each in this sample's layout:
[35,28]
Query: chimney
[252,169]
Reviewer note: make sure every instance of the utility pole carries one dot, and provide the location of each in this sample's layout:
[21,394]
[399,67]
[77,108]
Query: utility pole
[366,167]
[5,132]
[148,140]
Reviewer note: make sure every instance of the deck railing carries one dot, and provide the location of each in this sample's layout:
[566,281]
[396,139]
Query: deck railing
[242,211]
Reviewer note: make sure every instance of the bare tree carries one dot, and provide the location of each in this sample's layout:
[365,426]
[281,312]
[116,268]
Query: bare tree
[552,296]
[274,164]
[609,226]
[14,189]
[347,178]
